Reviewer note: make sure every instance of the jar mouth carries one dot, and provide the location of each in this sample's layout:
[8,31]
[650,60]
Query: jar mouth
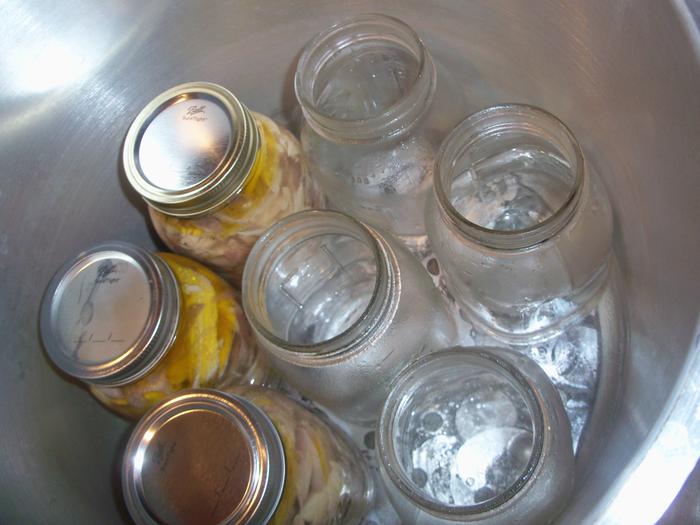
[406,69]
[315,283]
[451,368]
[509,176]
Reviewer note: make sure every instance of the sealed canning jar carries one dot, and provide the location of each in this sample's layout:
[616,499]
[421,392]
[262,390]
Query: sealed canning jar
[376,107]
[475,435]
[137,327]
[208,457]
[341,308]
[214,174]
[521,227]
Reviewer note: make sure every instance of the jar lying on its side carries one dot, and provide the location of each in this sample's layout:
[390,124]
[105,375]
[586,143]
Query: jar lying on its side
[137,327]
[214,174]
[209,457]
[521,227]
[341,308]
[376,108]
[475,435]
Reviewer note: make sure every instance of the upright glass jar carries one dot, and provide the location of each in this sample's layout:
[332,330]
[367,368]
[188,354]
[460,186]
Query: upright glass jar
[475,435]
[214,174]
[137,327]
[375,109]
[341,308]
[208,457]
[521,226]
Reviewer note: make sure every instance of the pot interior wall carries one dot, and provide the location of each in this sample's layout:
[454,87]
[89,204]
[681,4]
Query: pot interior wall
[623,75]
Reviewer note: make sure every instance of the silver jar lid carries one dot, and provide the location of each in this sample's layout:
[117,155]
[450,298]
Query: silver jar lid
[203,457]
[190,149]
[110,314]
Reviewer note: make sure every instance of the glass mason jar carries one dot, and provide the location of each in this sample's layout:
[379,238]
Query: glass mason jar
[475,435]
[137,327]
[341,308]
[209,457]
[375,110]
[521,227]
[214,174]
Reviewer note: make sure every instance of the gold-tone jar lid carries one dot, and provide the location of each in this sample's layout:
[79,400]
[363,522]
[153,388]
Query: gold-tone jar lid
[203,458]
[110,314]
[190,149]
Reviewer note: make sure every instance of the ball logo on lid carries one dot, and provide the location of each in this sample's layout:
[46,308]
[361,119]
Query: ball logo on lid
[197,113]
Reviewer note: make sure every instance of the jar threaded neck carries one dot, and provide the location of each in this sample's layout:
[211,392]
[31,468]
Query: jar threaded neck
[506,126]
[315,71]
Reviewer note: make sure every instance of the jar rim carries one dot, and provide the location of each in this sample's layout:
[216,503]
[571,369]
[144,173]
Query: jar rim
[254,279]
[491,359]
[400,114]
[455,144]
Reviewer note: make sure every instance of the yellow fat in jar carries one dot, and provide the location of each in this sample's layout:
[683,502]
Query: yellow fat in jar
[262,175]
[207,324]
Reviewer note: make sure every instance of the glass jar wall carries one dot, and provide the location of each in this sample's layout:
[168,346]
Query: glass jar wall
[520,225]
[375,109]
[215,175]
[340,308]
[137,327]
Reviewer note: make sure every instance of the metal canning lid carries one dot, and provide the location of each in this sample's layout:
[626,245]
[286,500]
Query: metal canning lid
[190,149]
[203,457]
[110,314]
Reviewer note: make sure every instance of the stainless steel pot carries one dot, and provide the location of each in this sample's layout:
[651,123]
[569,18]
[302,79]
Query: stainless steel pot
[624,75]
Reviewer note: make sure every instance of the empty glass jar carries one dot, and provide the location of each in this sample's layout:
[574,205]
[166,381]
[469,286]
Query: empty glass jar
[375,109]
[214,174]
[520,225]
[208,457]
[475,435]
[341,308]
[137,327]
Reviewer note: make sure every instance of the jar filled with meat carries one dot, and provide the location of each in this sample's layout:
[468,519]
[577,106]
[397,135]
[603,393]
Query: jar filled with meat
[214,174]
[252,457]
[137,327]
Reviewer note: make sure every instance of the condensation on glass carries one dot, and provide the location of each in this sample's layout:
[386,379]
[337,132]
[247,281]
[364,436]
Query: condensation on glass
[214,174]
[137,327]
[475,435]
[521,226]
[340,308]
[376,107]
[246,458]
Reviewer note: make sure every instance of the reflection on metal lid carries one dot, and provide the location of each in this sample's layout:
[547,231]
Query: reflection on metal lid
[184,143]
[190,149]
[202,458]
[110,313]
